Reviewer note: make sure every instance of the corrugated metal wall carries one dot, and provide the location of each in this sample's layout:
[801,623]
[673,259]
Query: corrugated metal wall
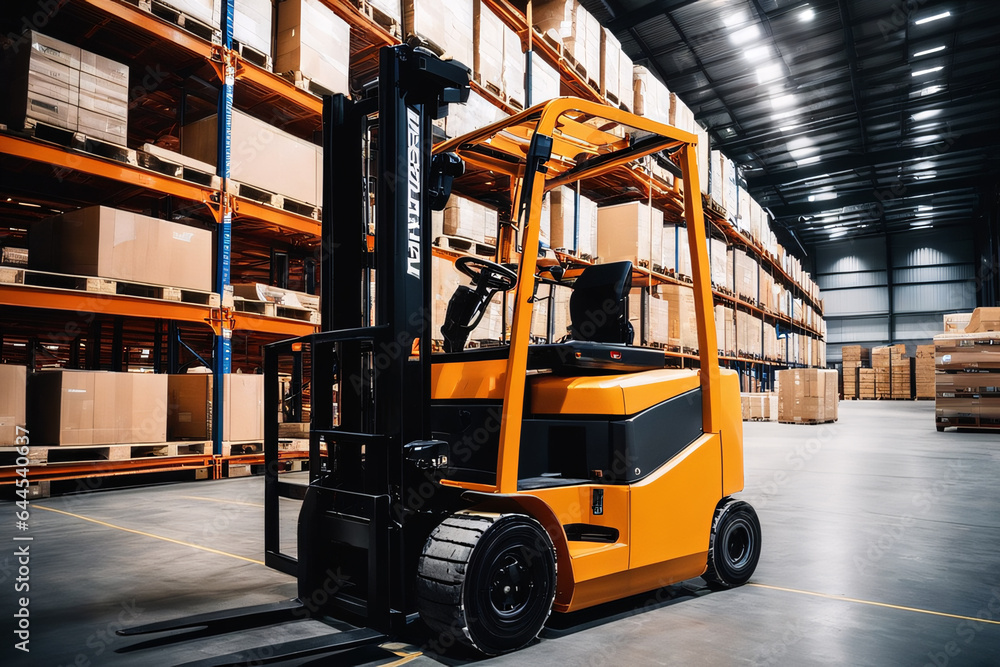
[932,273]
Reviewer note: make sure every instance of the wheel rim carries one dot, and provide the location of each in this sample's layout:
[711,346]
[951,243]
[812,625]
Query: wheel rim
[739,543]
[510,585]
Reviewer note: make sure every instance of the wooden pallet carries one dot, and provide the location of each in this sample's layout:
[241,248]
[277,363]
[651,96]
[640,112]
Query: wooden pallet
[79,141]
[462,244]
[47,454]
[178,18]
[809,422]
[275,200]
[377,16]
[252,55]
[27,277]
[306,83]
[271,309]
[164,165]
[711,205]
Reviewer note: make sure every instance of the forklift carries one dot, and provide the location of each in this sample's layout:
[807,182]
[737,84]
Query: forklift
[480,488]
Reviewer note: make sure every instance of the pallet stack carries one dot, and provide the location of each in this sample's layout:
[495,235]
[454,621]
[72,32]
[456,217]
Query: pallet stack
[893,372]
[866,383]
[968,378]
[807,396]
[924,371]
[759,406]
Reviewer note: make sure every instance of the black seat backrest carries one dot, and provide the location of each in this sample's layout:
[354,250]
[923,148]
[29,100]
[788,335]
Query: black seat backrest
[598,307]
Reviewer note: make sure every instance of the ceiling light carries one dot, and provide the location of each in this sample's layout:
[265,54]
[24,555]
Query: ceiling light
[920,115]
[783,101]
[930,70]
[28,203]
[801,142]
[925,176]
[926,139]
[931,90]
[789,128]
[757,53]
[928,51]
[923,165]
[745,35]
[823,196]
[807,14]
[942,15]
[838,232]
[923,207]
[768,73]
[784,114]
[734,19]
[807,160]
[921,224]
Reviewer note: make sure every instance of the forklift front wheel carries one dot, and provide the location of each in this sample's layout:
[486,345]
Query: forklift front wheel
[734,546]
[487,580]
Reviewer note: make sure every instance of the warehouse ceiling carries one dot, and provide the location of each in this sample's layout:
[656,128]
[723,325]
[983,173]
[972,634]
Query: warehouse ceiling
[850,117]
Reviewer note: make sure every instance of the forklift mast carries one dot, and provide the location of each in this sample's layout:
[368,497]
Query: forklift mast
[376,373]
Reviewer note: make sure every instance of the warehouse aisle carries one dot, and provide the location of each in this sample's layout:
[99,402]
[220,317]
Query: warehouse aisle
[880,542]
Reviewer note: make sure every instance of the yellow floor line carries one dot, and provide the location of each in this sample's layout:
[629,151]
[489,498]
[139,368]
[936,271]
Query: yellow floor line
[158,537]
[876,604]
[220,500]
[402,661]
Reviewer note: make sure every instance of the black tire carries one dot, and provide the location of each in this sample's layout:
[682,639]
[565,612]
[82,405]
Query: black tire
[734,546]
[487,581]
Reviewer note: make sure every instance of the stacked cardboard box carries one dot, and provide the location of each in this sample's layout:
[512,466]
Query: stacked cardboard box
[96,408]
[807,396]
[855,357]
[446,27]
[445,280]
[721,279]
[893,372]
[655,311]
[749,332]
[206,11]
[316,42]
[545,83]
[560,312]
[262,156]
[13,387]
[121,245]
[631,231]
[564,221]
[252,21]
[683,327]
[469,219]
[190,413]
[866,383]
[650,99]
[759,406]
[616,71]
[70,88]
[675,253]
[746,274]
[462,119]
[498,61]
[924,371]
[968,379]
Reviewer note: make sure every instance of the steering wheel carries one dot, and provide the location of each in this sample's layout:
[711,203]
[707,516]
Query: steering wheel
[492,275]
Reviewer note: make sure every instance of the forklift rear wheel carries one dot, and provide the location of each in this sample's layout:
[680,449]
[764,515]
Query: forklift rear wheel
[734,546]
[487,580]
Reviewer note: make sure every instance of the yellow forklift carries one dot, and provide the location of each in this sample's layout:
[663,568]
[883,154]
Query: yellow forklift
[481,488]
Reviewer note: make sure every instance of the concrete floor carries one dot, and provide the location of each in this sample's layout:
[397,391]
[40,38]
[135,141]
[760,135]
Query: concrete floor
[881,547]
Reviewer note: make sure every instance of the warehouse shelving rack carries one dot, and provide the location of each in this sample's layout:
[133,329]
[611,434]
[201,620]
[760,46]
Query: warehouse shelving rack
[217,69]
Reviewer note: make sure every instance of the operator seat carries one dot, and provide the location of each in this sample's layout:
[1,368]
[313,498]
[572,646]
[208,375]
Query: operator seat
[598,306]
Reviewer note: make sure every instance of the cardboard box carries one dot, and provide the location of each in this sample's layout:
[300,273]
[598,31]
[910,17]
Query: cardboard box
[262,156]
[13,390]
[103,68]
[651,98]
[545,83]
[191,412]
[967,352]
[121,245]
[683,326]
[477,112]
[807,395]
[99,95]
[631,231]
[68,407]
[984,320]
[563,220]
[675,252]
[469,219]
[252,23]
[313,40]
[446,27]
[206,11]
[498,60]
